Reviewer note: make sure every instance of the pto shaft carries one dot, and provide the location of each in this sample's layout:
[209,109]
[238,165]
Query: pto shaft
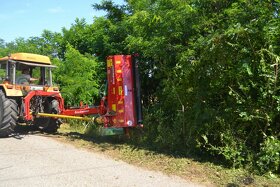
[96,119]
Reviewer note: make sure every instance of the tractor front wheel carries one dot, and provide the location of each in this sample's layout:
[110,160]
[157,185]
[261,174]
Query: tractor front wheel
[8,115]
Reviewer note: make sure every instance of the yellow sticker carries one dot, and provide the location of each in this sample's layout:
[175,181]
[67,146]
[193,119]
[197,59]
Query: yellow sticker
[120,90]
[114,107]
[109,63]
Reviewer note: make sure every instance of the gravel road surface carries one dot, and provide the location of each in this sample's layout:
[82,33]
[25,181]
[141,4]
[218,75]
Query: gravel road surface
[36,160]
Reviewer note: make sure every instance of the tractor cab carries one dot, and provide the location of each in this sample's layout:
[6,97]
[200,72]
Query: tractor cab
[24,72]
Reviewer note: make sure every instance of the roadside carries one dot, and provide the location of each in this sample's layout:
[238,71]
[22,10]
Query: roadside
[205,173]
[36,160]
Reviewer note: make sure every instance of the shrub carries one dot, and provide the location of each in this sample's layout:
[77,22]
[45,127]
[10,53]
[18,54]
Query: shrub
[269,155]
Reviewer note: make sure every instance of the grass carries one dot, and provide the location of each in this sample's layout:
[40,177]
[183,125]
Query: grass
[205,172]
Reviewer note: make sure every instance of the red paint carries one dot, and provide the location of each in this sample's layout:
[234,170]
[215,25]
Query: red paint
[120,91]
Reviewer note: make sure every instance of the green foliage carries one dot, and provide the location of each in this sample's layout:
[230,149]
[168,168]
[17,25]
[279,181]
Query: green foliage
[76,77]
[218,61]
[46,44]
[114,12]
[269,155]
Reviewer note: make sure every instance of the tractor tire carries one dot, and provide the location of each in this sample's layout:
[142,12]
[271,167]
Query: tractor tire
[14,114]
[8,115]
[49,125]
[54,123]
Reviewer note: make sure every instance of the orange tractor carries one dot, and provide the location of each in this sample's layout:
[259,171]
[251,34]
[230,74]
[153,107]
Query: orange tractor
[28,95]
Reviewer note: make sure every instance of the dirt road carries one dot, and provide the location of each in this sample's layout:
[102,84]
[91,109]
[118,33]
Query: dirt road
[35,160]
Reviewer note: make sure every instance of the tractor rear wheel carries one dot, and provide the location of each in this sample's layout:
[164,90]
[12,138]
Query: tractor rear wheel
[14,114]
[8,115]
[49,125]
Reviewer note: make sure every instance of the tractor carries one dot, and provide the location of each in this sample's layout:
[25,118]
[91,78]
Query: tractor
[28,95]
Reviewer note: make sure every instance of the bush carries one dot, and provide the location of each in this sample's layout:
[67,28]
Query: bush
[269,155]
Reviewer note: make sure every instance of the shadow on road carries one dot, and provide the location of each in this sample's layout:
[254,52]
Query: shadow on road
[104,142]
[22,130]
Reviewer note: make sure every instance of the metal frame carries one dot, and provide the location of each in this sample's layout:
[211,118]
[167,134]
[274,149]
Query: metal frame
[83,110]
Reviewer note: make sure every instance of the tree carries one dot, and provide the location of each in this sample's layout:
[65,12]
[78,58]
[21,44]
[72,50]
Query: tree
[2,43]
[76,77]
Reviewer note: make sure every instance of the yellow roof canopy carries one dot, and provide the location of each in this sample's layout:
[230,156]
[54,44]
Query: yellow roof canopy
[29,57]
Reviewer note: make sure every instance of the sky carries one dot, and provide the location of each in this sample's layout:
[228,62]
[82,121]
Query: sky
[27,18]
